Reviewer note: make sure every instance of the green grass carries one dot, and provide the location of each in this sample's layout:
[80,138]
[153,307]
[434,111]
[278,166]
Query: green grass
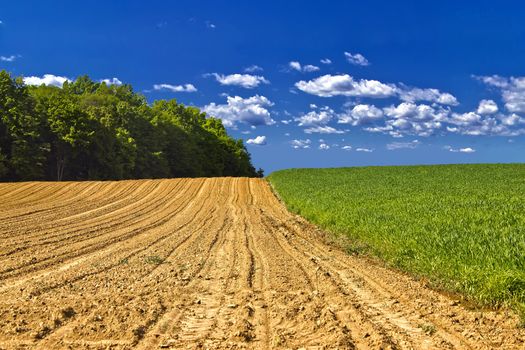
[460,226]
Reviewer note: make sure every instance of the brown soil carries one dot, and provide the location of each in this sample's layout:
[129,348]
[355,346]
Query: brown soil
[208,264]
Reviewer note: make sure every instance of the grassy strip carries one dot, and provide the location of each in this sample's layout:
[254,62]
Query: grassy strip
[460,226]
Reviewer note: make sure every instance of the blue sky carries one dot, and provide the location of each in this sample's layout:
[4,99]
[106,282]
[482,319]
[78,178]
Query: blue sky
[306,84]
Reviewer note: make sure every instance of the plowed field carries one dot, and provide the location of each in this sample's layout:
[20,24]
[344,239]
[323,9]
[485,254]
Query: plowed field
[205,263]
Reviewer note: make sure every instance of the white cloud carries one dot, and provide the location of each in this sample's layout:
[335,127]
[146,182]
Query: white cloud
[247,81]
[460,150]
[512,91]
[487,107]
[347,148]
[310,68]
[301,143]
[465,119]
[317,117]
[252,110]
[356,59]
[175,88]
[47,79]
[402,145]
[113,81]
[345,85]
[361,114]
[494,80]
[420,112]
[324,147]
[411,119]
[430,95]
[294,65]
[210,25]
[11,58]
[323,130]
[253,68]
[326,61]
[259,140]
[511,120]
[367,150]
[471,123]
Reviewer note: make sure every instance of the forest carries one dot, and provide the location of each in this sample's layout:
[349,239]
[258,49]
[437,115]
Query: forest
[89,130]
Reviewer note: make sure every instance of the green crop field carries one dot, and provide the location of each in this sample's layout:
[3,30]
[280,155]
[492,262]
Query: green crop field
[460,226]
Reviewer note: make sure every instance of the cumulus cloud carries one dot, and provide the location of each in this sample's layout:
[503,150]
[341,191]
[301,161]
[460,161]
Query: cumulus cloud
[407,110]
[294,65]
[460,150]
[316,121]
[112,81]
[326,61]
[345,85]
[472,123]
[324,147]
[297,144]
[412,119]
[253,68]
[402,145]
[322,116]
[11,58]
[310,68]
[247,81]
[356,59]
[465,119]
[512,90]
[323,130]
[47,79]
[259,140]
[493,80]
[253,111]
[175,88]
[361,114]
[487,107]
[430,95]
[367,150]
[511,120]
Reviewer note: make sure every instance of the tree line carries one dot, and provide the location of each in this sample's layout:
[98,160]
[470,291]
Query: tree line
[88,130]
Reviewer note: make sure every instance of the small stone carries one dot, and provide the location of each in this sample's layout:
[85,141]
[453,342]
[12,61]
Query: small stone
[168,344]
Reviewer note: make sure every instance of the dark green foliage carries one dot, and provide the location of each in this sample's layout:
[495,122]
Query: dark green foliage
[91,131]
[461,226]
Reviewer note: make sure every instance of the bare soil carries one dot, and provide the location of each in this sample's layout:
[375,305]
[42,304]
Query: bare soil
[213,263]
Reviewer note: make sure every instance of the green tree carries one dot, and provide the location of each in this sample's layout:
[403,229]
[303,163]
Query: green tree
[91,130]
[19,131]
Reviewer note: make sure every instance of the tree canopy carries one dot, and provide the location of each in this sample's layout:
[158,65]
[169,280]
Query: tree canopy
[87,130]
